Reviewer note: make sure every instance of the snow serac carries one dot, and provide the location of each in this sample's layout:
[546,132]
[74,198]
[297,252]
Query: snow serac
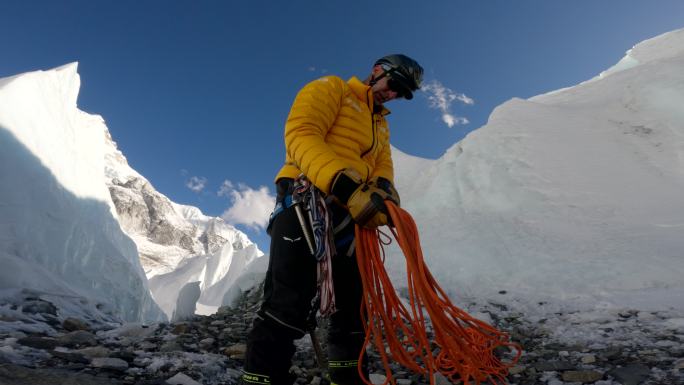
[178,245]
[59,236]
[572,197]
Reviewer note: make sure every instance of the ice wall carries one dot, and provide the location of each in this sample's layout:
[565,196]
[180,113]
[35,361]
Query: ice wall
[56,214]
[575,196]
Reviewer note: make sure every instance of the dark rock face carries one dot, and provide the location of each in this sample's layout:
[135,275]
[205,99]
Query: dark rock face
[142,209]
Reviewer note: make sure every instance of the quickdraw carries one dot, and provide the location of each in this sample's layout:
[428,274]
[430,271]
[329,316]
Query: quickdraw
[312,211]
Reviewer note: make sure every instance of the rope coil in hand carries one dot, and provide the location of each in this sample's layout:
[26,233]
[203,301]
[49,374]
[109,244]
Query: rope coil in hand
[463,348]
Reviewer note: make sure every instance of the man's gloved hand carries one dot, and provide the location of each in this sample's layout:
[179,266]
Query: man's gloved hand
[365,203]
[387,186]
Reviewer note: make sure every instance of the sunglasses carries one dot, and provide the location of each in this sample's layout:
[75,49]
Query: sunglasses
[399,87]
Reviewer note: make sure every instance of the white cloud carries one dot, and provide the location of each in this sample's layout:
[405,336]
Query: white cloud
[225,189]
[196,184]
[441,98]
[450,120]
[251,207]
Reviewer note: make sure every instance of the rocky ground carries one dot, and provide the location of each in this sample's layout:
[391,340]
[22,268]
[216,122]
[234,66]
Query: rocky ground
[627,348]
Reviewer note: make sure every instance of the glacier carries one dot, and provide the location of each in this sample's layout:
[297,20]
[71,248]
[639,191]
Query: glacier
[566,200]
[80,226]
[572,198]
[59,234]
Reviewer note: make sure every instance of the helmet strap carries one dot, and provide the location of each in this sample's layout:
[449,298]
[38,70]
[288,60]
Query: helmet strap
[376,79]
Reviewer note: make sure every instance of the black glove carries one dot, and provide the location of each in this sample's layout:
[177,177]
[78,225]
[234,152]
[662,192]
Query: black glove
[387,186]
[365,203]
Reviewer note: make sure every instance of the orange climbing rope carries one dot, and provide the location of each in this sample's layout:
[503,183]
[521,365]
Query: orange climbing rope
[463,348]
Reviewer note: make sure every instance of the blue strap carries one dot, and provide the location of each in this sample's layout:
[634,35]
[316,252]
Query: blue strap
[340,243]
[279,207]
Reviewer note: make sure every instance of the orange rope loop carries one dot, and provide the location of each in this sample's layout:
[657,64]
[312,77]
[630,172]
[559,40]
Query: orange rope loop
[463,348]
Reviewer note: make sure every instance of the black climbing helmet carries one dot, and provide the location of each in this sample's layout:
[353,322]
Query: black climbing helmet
[404,70]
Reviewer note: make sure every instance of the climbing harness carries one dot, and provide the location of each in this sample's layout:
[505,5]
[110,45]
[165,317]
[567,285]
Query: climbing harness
[464,348]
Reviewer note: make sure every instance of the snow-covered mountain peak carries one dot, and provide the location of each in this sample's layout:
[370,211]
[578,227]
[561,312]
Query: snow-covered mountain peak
[178,244]
[73,194]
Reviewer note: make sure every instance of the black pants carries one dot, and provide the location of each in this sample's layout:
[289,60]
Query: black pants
[289,289]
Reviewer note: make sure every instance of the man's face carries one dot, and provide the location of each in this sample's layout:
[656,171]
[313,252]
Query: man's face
[382,93]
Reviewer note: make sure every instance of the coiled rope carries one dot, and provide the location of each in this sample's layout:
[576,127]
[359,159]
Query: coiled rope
[463,348]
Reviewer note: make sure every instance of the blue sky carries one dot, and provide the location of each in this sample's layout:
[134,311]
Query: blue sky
[202,88]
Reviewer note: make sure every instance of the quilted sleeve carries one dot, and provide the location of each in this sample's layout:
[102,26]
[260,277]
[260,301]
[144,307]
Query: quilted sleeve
[313,113]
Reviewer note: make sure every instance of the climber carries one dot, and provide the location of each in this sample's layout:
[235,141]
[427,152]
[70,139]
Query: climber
[336,139]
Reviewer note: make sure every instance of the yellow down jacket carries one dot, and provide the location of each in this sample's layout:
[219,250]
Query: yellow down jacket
[331,127]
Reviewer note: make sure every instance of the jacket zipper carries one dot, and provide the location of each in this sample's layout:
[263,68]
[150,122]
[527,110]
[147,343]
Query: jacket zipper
[373,125]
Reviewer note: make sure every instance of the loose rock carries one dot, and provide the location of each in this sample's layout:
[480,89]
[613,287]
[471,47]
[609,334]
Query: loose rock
[19,375]
[77,338]
[554,366]
[236,351]
[209,350]
[46,343]
[582,376]
[39,306]
[109,363]
[182,379]
[72,324]
[631,374]
[95,351]
[588,359]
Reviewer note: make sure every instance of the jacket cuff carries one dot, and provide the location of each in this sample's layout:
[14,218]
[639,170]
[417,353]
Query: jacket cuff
[343,187]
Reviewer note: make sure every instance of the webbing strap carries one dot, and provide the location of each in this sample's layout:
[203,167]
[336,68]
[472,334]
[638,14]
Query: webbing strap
[280,206]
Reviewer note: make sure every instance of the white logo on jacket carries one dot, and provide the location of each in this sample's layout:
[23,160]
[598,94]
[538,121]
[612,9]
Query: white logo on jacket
[353,103]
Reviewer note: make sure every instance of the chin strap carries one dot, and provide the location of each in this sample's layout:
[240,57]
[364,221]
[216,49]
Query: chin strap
[377,108]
